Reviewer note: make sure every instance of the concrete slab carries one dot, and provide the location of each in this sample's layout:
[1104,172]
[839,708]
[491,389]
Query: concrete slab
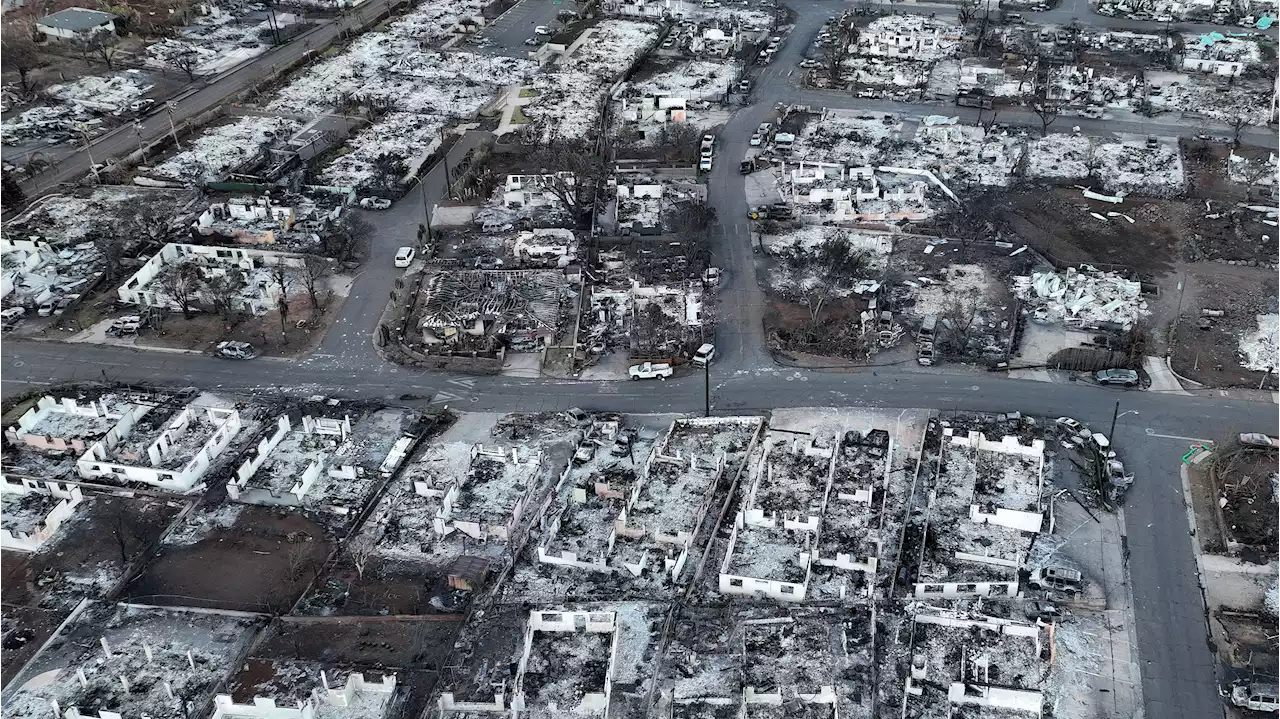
[522,364]
[1162,377]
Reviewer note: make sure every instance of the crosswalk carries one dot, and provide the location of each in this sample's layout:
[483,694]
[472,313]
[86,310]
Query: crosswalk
[462,391]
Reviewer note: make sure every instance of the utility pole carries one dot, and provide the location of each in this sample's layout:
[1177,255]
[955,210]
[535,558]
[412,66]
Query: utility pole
[1111,436]
[169,107]
[84,132]
[444,158]
[706,386]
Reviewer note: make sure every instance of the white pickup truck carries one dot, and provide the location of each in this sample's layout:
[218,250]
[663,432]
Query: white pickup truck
[649,370]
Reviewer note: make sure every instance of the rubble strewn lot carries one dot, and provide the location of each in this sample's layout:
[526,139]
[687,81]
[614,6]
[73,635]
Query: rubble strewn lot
[157,651]
[569,93]
[238,145]
[621,566]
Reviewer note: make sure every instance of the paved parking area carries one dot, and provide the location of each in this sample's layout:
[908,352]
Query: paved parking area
[516,25]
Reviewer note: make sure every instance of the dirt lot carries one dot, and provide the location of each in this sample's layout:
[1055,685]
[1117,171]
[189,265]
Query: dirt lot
[304,330]
[85,557]
[414,650]
[1244,477]
[423,644]
[385,588]
[262,562]
[25,630]
[1249,645]
[1211,356]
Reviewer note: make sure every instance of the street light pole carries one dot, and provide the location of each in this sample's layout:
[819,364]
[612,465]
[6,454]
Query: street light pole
[142,148]
[169,107]
[1117,414]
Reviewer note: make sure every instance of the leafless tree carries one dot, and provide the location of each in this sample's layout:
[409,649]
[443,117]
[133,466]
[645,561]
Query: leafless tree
[1044,108]
[960,316]
[343,239]
[574,174]
[1237,125]
[299,561]
[149,223]
[223,290]
[966,11]
[123,529]
[20,53]
[694,224]
[984,30]
[844,38]
[678,141]
[107,49]
[821,272]
[182,283]
[282,277]
[185,59]
[361,549]
[110,244]
[312,273]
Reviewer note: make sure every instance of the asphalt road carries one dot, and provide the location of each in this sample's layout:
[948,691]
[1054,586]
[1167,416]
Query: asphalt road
[203,96]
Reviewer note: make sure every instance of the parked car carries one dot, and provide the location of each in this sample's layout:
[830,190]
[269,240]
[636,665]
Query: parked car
[542,30]
[809,63]
[744,86]
[404,256]
[705,165]
[1046,611]
[757,139]
[704,354]
[123,326]
[1121,377]
[1258,696]
[1250,439]
[584,453]
[532,41]
[230,349]
[1059,579]
[1071,425]
[11,315]
[375,203]
[650,370]
[747,167]
[924,354]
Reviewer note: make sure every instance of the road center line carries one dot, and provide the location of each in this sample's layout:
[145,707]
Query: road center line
[1152,433]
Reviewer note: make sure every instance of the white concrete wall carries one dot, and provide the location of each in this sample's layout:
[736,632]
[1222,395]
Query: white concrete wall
[94,464]
[139,290]
[950,590]
[46,406]
[781,591]
[344,696]
[999,697]
[31,541]
[1225,68]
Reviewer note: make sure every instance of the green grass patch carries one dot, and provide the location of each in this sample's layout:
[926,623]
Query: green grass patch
[529,92]
[519,118]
